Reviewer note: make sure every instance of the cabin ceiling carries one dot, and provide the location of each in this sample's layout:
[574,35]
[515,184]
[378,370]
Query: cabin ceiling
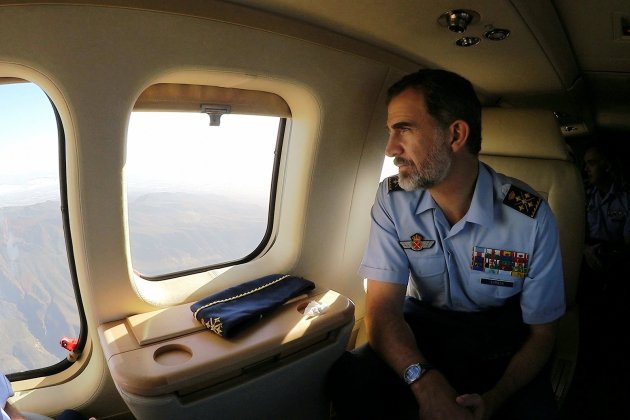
[557,51]
[570,56]
[602,52]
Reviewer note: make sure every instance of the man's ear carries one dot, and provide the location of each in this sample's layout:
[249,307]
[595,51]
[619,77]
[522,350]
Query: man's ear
[458,131]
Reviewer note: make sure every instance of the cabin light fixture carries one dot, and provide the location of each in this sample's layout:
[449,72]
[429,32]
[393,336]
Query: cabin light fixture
[571,125]
[468,41]
[621,26]
[497,34]
[215,112]
[458,20]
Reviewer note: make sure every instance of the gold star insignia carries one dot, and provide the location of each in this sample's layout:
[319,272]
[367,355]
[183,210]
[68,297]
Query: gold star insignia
[522,201]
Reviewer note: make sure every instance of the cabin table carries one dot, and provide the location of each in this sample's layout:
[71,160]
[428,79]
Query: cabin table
[165,364]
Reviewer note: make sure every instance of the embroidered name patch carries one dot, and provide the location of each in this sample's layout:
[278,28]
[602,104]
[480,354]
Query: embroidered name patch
[522,201]
[499,261]
[616,215]
[417,243]
[495,282]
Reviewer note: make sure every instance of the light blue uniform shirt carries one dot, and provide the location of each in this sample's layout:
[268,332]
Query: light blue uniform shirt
[5,392]
[493,253]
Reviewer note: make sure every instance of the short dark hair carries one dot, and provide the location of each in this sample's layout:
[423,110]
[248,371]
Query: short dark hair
[448,97]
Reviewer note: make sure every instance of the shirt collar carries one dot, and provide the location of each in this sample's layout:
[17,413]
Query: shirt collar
[425,202]
[481,209]
[603,196]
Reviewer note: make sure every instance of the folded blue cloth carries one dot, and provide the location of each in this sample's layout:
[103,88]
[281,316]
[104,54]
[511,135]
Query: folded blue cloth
[227,312]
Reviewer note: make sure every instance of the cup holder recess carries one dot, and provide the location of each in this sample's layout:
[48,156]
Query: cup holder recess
[172,354]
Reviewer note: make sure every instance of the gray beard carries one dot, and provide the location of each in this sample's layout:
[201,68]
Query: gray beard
[433,170]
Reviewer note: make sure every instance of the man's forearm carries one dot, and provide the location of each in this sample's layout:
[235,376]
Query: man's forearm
[396,344]
[393,340]
[525,365]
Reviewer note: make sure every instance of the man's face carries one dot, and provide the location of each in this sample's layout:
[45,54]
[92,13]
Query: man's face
[595,166]
[418,144]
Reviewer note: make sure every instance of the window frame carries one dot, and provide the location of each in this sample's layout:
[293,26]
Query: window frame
[63,197]
[268,231]
[181,97]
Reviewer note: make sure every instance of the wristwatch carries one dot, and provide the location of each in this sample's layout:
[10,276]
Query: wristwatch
[415,372]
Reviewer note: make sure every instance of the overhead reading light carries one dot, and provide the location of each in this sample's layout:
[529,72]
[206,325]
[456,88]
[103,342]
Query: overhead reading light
[497,34]
[458,20]
[215,112]
[468,41]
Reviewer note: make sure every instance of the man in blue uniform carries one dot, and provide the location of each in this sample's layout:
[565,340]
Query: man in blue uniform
[607,212]
[464,272]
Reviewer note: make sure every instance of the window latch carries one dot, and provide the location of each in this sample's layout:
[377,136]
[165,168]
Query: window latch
[215,112]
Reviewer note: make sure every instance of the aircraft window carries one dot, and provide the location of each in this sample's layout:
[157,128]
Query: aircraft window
[389,168]
[198,196]
[37,301]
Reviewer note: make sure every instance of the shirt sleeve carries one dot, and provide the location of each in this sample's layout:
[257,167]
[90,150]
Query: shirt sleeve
[384,259]
[543,298]
[6,390]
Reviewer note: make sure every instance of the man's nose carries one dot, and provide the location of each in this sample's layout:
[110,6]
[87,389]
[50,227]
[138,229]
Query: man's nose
[393,147]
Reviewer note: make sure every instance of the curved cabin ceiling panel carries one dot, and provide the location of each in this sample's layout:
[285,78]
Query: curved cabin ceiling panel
[600,35]
[596,31]
[516,65]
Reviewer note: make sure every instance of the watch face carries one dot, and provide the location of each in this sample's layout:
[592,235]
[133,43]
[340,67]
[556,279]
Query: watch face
[412,373]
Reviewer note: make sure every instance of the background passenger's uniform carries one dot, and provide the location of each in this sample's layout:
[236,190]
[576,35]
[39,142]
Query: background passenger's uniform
[608,214]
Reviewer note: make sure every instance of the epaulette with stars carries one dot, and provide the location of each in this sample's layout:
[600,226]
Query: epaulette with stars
[392,184]
[522,201]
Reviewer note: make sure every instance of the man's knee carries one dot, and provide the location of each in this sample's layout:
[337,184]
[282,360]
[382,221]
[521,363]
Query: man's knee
[346,385]
[354,371]
[361,385]
[535,401]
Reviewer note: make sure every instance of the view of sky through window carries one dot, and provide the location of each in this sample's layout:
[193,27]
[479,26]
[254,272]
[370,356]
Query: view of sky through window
[37,302]
[28,146]
[198,195]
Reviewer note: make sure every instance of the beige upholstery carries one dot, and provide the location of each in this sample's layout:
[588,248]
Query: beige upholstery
[165,364]
[35,416]
[528,145]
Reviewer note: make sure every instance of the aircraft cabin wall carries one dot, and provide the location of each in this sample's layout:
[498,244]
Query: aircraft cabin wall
[95,61]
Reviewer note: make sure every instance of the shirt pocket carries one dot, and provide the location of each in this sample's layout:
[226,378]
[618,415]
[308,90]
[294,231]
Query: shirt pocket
[490,289]
[429,274]
[427,266]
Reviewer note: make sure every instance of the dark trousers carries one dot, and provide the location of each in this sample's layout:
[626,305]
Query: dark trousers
[470,350]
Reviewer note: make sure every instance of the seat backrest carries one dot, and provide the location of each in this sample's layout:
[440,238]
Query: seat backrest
[527,144]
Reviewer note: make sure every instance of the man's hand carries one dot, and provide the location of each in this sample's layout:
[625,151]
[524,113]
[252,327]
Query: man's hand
[13,412]
[437,399]
[479,407]
[592,255]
